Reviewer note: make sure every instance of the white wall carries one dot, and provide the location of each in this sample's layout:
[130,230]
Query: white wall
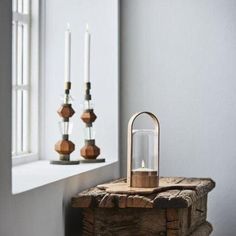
[46,210]
[178,60]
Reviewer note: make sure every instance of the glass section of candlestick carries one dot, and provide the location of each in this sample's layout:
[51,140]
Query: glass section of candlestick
[88,105]
[67,99]
[89,133]
[65,127]
[145,153]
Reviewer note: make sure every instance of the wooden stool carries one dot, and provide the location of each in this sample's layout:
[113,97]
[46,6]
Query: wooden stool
[176,210]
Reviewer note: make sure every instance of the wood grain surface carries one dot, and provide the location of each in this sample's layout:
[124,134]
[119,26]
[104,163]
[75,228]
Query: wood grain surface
[174,192]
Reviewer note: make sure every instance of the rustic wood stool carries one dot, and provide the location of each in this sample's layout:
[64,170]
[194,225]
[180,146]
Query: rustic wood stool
[178,209]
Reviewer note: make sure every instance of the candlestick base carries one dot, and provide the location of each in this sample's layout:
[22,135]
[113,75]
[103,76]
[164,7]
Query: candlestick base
[99,160]
[61,162]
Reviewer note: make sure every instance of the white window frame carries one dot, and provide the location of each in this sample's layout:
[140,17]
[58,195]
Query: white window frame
[32,86]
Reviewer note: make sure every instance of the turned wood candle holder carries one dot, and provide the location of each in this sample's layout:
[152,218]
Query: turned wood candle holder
[65,147]
[89,151]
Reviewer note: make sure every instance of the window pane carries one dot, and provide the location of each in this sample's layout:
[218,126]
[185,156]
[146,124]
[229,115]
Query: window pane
[14,120]
[25,56]
[19,123]
[25,123]
[14,97]
[20,54]
[14,5]
[20,6]
[26,6]
[14,50]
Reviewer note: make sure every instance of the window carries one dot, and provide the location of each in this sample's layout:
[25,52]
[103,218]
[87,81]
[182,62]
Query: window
[24,82]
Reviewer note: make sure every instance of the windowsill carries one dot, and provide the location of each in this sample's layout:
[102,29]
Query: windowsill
[39,173]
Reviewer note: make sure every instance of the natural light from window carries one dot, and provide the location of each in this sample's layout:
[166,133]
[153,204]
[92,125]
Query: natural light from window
[20,77]
[22,83]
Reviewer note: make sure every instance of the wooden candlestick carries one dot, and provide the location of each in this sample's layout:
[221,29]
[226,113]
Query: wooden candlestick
[65,147]
[89,151]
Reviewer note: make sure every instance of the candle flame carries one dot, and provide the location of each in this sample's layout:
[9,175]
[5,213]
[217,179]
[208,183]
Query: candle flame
[68,26]
[143,164]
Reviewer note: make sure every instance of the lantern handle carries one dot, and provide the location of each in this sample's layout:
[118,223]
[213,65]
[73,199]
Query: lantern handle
[130,142]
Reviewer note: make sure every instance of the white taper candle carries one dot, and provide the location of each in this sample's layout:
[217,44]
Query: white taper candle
[67,53]
[87,55]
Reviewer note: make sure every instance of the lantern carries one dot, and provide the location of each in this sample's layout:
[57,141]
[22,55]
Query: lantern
[143,152]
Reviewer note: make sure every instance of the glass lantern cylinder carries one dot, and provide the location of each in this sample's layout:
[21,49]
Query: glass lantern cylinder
[143,155]
[145,159]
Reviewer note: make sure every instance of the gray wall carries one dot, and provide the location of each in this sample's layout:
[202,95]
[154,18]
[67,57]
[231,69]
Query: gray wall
[178,61]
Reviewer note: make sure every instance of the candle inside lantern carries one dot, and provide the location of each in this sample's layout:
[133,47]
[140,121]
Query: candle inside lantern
[67,53]
[144,172]
[87,55]
[143,164]
[143,168]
